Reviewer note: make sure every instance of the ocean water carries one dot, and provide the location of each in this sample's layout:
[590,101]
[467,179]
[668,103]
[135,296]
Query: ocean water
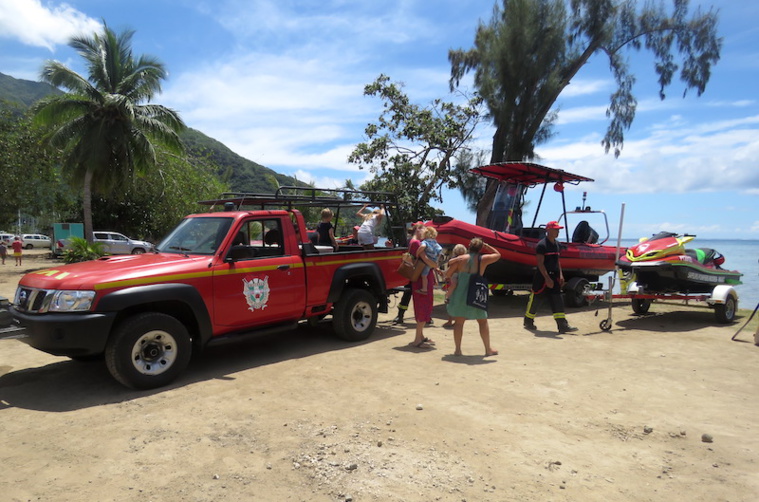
[740,255]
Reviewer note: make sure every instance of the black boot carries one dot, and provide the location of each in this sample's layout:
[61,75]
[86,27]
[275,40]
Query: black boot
[529,324]
[399,318]
[564,326]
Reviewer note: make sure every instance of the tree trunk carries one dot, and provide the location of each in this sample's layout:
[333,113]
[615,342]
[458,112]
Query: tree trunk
[485,205]
[87,205]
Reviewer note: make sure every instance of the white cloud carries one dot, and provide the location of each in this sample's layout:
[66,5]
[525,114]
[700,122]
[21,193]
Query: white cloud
[34,24]
[582,87]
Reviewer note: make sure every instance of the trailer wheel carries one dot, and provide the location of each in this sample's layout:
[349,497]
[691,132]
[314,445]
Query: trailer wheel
[574,292]
[725,313]
[641,305]
[355,315]
[605,325]
[148,350]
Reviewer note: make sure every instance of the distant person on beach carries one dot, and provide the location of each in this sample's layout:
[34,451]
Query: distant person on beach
[3,251]
[17,246]
[548,281]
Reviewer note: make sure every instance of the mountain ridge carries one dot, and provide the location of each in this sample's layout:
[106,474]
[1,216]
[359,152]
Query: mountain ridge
[242,175]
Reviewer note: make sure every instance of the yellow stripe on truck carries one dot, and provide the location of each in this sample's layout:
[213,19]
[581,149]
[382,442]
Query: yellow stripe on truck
[180,277]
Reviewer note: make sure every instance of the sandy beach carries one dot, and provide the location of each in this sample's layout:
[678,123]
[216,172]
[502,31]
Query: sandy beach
[663,407]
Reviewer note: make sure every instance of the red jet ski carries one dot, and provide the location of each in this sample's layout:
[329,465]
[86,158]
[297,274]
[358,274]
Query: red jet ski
[662,264]
[583,258]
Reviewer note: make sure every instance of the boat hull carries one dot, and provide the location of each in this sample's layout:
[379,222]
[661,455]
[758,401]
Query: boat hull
[679,274]
[518,262]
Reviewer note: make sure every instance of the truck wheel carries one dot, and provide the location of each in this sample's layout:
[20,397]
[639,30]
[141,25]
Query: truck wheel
[725,313]
[148,350]
[641,305]
[574,292]
[355,315]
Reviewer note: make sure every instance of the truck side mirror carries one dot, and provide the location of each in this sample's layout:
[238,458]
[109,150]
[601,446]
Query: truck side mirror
[242,252]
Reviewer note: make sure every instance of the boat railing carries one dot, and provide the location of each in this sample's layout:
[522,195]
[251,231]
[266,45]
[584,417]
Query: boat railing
[578,230]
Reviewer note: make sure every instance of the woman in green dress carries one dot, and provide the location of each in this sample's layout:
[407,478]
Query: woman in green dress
[466,265]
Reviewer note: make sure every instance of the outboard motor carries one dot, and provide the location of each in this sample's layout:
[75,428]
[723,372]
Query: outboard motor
[584,234]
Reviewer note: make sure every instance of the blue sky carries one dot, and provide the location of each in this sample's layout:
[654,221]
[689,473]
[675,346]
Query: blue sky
[281,82]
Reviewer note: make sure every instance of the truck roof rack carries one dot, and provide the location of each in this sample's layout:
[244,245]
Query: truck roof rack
[292,196]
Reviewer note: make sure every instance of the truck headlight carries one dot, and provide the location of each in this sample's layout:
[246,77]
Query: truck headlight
[71,301]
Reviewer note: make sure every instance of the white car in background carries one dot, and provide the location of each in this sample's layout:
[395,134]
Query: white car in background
[35,241]
[116,243]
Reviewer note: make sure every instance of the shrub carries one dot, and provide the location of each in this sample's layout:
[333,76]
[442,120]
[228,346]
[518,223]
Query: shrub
[81,250]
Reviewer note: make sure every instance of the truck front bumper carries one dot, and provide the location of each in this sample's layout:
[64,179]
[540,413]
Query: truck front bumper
[68,335]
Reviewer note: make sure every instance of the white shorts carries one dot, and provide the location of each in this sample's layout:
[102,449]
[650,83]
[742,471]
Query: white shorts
[366,238]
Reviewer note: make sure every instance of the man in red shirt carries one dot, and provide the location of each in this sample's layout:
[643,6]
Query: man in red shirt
[17,246]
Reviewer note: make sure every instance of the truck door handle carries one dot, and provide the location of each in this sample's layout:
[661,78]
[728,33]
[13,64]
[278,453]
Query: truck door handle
[283,267]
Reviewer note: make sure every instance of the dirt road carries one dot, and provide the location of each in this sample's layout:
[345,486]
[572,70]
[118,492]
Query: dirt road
[597,416]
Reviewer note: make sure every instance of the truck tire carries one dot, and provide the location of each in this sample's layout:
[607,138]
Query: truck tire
[725,313]
[148,350]
[355,315]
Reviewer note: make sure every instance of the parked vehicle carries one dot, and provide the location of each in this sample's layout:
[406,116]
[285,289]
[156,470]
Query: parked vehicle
[36,241]
[584,257]
[116,243]
[218,276]
[7,238]
[113,243]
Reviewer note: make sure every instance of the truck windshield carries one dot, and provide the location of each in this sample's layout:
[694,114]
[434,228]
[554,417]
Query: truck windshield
[196,236]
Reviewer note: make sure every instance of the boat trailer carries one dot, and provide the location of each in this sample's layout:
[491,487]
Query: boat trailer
[723,299]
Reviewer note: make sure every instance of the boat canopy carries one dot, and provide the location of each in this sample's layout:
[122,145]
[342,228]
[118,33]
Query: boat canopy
[528,174]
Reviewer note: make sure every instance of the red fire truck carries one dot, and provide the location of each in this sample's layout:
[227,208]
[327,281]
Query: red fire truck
[228,273]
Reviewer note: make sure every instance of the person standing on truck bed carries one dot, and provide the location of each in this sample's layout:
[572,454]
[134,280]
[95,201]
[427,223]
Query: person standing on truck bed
[326,230]
[366,231]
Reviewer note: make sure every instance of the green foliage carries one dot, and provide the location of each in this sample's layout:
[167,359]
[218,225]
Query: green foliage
[81,250]
[31,182]
[102,131]
[411,149]
[531,50]
[153,204]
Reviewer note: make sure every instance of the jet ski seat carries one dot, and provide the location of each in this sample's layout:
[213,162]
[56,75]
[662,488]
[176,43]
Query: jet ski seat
[705,256]
[584,234]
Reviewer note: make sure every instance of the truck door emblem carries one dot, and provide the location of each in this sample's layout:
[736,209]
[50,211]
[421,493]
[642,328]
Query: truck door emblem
[256,292]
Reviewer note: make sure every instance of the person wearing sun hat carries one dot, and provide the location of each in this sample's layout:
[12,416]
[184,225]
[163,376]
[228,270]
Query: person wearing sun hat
[548,281]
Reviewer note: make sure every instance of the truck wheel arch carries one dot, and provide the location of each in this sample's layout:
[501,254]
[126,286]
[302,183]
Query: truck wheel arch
[182,301]
[366,275]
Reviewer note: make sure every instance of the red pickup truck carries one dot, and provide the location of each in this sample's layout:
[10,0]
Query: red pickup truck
[217,276]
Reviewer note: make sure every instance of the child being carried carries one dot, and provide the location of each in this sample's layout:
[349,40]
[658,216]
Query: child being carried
[430,256]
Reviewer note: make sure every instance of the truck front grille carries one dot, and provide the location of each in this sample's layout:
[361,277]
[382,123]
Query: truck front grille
[31,299]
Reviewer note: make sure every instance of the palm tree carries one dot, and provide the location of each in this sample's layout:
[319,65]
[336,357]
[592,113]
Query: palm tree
[105,127]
